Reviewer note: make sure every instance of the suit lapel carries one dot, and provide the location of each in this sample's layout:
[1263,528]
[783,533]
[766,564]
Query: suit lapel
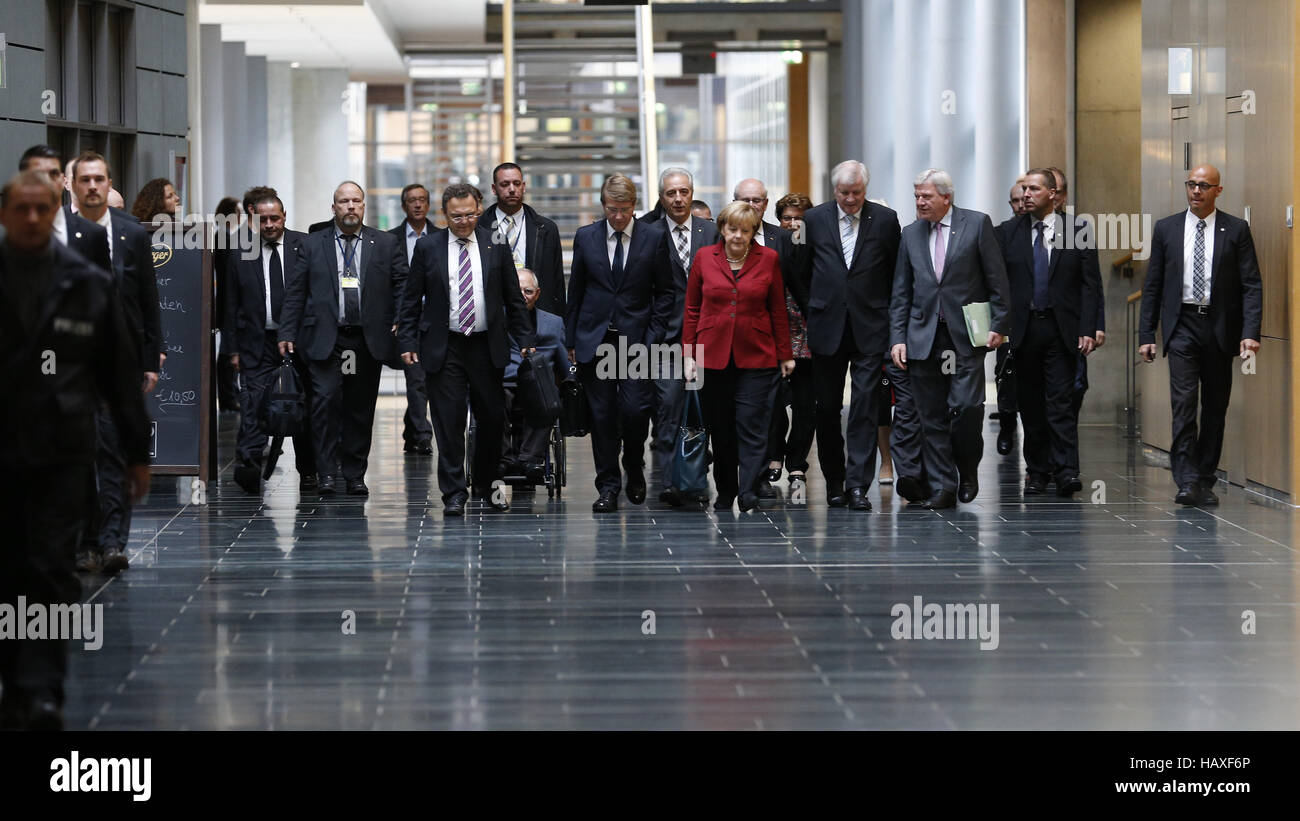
[601,240]
[484,250]
[1176,270]
[1220,232]
[1058,247]
[956,232]
[864,225]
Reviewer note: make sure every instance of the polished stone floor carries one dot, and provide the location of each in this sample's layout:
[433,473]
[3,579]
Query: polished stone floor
[1117,610]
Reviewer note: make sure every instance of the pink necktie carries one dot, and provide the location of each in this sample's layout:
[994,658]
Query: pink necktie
[938,252]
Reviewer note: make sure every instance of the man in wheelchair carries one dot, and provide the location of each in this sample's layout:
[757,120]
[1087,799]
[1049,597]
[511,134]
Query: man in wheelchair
[523,452]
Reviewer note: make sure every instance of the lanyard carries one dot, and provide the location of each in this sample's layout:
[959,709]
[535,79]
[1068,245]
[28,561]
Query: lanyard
[348,258]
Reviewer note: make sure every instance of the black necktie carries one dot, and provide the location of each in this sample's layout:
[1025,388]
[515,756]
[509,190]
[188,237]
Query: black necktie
[1040,268]
[617,267]
[277,282]
[351,296]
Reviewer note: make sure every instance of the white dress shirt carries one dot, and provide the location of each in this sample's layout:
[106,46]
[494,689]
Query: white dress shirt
[759,236]
[453,279]
[519,248]
[412,237]
[107,221]
[271,324]
[61,226]
[610,242]
[1189,248]
[357,262]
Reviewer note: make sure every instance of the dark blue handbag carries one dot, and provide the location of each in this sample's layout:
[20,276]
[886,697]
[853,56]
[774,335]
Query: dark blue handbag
[691,450]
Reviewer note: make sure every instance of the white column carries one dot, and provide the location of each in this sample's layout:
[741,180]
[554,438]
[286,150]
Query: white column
[279,138]
[320,142]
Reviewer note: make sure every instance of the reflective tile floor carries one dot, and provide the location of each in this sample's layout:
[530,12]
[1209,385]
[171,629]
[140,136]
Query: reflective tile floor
[292,613]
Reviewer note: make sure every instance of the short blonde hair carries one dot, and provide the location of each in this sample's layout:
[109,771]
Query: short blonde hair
[740,215]
[617,188]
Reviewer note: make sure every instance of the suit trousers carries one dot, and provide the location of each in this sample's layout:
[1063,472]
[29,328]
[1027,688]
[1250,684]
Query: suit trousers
[905,434]
[257,380]
[345,387]
[467,379]
[522,443]
[1197,365]
[1080,388]
[828,380]
[738,412]
[799,392]
[670,399]
[416,427]
[37,561]
[1046,395]
[620,417]
[1007,408]
[108,509]
[949,396]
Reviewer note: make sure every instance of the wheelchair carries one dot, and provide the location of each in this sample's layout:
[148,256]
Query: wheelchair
[553,472]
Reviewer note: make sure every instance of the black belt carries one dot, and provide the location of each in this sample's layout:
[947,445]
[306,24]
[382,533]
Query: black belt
[1043,313]
[350,329]
[1193,308]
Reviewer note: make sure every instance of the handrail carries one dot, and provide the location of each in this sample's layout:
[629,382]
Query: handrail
[1122,261]
[1132,317]
[1134,297]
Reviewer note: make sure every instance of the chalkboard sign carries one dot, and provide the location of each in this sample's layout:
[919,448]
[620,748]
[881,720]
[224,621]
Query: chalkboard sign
[178,405]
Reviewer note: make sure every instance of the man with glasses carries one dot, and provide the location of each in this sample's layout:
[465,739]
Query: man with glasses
[416,431]
[620,295]
[1204,289]
[460,309]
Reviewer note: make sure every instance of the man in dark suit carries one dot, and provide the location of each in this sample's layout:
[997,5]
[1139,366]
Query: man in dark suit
[949,258]
[254,294]
[70,228]
[534,240]
[1004,363]
[1055,287]
[417,433]
[340,310]
[54,307]
[461,336]
[687,234]
[523,450]
[132,267]
[621,294]
[1204,289]
[849,274]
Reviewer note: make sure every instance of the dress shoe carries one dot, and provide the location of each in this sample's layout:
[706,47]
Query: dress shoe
[493,497]
[88,561]
[326,486]
[249,477]
[419,448]
[723,502]
[1207,498]
[1188,494]
[114,560]
[835,495]
[858,499]
[357,487]
[455,506]
[1006,439]
[307,483]
[968,490]
[1035,486]
[671,497]
[911,489]
[635,486]
[765,490]
[748,502]
[943,500]
[607,503]
[1068,486]
[773,474]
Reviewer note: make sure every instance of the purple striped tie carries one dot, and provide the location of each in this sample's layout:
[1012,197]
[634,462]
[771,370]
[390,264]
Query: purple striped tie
[466,290]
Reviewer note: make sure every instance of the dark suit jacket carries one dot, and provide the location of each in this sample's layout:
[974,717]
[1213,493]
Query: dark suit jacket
[704,233]
[137,285]
[738,315]
[1236,292]
[426,301]
[791,256]
[640,305]
[320,226]
[400,233]
[49,416]
[245,297]
[972,272]
[310,316]
[1073,280]
[836,294]
[88,239]
[548,338]
[543,255]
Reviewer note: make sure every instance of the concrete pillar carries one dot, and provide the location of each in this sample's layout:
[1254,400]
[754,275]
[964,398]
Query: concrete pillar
[279,138]
[212,104]
[320,142]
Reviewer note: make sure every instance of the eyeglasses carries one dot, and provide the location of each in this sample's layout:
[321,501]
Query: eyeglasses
[461,219]
[751,200]
[1198,185]
[528,291]
[618,212]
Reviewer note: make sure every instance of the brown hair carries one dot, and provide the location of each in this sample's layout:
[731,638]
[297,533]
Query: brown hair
[740,215]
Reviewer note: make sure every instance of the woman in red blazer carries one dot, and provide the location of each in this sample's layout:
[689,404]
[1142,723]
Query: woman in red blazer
[736,329]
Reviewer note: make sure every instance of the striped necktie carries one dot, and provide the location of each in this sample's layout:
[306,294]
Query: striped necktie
[683,247]
[846,240]
[466,289]
[1198,264]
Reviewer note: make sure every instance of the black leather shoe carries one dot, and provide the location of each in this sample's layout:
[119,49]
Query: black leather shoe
[835,496]
[88,561]
[607,503]
[307,483]
[943,500]
[723,502]
[493,499]
[858,499]
[765,490]
[1188,494]
[1006,439]
[421,448]
[455,506]
[1035,486]
[326,486]
[671,497]
[1068,486]
[1207,498]
[748,502]
[635,486]
[249,477]
[773,475]
[910,488]
[114,560]
[968,490]
[357,487]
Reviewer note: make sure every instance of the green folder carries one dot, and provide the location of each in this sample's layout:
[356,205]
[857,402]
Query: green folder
[978,323]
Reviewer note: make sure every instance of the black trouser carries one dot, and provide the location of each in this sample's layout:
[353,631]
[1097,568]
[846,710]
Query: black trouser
[828,379]
[1080,387]
[737,410]
[620,417]
[1045,393]
[1006,385]
[669,401]
[799,392]
[258,378]
[345,387]
[523,443]
[416,428]
[227,384]
[467,377]
[905,435]
[950,402]
[38,561]
[108,505]
[1197,365]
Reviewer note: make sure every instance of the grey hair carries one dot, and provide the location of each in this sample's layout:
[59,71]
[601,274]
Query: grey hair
[850,171]
[937,177]
[673,170]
